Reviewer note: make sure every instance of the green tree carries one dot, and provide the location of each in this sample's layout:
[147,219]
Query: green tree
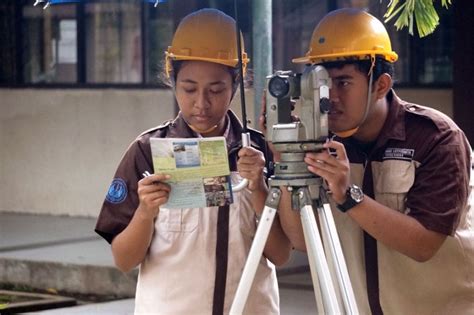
[419,12]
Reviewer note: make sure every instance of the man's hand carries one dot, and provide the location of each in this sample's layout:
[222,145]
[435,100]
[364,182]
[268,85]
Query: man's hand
[334,169]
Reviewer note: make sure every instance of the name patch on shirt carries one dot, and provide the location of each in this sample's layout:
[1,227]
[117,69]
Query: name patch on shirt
[117,191]
[398,154]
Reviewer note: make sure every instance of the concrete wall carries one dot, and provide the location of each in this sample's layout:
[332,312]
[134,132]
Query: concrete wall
[60,148]
[440,99]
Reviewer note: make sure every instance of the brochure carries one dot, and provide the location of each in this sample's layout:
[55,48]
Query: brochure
[199,170]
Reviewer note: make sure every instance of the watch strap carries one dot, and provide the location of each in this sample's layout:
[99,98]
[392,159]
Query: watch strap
[347,205]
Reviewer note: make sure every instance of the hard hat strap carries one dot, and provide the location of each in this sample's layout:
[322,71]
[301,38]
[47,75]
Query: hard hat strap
[168,64]
[369,91]
[350,132]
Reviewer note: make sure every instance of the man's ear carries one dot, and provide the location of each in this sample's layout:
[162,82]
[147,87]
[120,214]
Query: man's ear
[383,85]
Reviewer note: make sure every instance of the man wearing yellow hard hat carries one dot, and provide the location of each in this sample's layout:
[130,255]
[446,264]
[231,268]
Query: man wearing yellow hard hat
[399,179]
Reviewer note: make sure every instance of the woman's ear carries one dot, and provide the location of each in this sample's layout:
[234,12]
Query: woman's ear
[383,85]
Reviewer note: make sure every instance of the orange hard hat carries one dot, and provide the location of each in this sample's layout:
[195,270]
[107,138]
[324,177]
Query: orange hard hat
[348,33]
[206,35]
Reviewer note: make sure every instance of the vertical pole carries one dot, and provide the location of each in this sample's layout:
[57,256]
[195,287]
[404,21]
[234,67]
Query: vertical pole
[262,50]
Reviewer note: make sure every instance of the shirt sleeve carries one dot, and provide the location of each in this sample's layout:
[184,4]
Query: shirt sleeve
[121,200]
[439,195]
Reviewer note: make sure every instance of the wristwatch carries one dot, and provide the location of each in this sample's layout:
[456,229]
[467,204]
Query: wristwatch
[354,196]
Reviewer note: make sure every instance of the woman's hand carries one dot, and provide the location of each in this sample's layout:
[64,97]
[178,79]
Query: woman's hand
[250,165]
[152,193]
[334,169]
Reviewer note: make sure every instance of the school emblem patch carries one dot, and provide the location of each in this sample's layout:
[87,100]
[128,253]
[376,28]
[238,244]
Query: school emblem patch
[117,191]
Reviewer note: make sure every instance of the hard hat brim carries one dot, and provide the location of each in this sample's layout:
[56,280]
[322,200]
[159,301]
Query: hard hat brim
[389,56]
[226,62]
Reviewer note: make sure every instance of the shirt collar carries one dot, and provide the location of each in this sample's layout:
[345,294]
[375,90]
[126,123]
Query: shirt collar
[394,127]
[180,129]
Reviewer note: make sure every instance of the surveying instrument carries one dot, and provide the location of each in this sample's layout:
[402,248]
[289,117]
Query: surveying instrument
[292,139]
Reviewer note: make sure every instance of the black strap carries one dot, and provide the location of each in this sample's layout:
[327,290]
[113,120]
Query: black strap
[372,274]
[222,245]
[370,251]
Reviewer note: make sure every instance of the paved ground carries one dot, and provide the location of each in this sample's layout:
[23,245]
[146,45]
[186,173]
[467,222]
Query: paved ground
[63,253]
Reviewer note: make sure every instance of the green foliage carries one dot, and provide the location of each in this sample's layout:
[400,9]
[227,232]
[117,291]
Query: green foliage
[419,12]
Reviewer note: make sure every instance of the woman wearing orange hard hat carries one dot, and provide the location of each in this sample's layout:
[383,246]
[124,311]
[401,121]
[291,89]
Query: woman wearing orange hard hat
[191,259]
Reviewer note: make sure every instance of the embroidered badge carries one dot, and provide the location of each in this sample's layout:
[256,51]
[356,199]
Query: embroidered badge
[399,154]
[117,191]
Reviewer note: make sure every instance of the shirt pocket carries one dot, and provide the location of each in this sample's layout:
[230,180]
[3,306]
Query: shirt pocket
[178,220]
[392,181]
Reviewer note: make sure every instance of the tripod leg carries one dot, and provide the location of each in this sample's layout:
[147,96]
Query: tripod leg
[329,232]
[316,256]
[317,260]
[256,251]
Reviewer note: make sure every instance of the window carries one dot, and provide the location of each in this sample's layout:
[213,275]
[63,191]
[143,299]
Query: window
[160,30]
[113,42]
[122,42]
[293,24]
[421,61]
[49,45]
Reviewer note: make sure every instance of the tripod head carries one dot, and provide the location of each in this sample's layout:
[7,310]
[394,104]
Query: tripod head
[294,138]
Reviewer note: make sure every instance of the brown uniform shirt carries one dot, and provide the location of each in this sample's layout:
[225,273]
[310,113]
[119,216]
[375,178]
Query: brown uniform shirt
[420,166]
[178,273]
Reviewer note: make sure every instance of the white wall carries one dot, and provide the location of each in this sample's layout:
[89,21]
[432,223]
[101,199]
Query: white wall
[60,148]
[440,99]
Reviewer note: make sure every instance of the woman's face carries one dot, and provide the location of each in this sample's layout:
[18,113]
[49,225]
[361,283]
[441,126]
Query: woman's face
[203,92]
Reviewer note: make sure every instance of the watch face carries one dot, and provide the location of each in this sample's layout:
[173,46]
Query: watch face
[356,193]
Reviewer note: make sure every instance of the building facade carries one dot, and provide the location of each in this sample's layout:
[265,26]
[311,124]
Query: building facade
[79,81]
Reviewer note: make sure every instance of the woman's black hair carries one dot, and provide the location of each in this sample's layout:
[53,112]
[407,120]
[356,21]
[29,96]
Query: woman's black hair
[177,64]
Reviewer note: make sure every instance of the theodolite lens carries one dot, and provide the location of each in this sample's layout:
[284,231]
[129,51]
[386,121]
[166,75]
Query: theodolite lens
[278,87]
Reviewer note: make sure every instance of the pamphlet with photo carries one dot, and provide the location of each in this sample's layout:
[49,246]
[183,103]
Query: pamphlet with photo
[199,170]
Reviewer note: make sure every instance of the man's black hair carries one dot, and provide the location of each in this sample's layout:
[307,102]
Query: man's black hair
[381,66]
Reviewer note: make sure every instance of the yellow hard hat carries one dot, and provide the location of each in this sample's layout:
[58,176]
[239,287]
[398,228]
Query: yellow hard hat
[206,35]
[349,33]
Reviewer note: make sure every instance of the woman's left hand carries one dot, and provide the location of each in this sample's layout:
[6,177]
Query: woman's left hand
[250,165]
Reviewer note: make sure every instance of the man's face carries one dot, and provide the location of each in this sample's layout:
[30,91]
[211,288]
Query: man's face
[348,96]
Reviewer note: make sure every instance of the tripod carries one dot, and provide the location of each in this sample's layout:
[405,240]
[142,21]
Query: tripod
[305,190]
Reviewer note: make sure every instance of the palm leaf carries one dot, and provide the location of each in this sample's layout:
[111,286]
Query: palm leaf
[421,13]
